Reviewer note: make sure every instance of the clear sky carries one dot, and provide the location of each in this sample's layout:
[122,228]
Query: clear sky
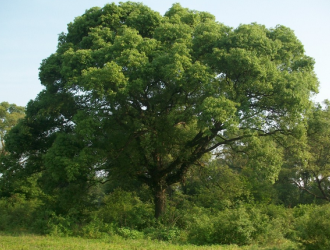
[29,31]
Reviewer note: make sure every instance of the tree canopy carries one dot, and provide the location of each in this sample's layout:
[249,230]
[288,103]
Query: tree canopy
[131,93]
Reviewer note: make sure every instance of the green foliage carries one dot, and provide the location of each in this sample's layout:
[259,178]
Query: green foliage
[268,225]
[128,233]
[125,210]
[234,227]
[273,224]
[60,226]
[27,187]
[139,109]
[265,225]
[216,185]
[163,233]
[226,227]
[202,227]
[306,169]
[131,94]
[10,114]
[313,227]
[17,213]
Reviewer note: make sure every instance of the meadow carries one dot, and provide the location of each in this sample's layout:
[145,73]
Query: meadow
[32,242]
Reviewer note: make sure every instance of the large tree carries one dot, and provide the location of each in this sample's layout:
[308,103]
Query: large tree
[132,93]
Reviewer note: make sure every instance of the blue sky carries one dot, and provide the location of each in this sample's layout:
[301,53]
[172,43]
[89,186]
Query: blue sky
[29,31]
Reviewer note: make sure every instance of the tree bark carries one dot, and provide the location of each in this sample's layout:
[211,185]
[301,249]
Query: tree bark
[160,200]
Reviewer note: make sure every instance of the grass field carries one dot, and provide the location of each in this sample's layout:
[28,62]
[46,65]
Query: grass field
[27,242]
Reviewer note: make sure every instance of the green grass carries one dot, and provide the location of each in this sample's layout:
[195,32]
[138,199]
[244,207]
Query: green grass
[27,242]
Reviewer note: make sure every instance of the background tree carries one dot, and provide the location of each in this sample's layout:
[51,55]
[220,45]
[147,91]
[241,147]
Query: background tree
[10,114]
[308,163]
[132,93]
[9,117]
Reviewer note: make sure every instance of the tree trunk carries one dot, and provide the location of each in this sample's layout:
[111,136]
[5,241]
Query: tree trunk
[160,199]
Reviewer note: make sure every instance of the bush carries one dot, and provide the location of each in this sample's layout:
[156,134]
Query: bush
[59,225]
[234,227]
[163,233]
[17,213]
[273,223]
[128,233]
[226,227]
[96,229]
[126,210]
[241,226]
[313,227]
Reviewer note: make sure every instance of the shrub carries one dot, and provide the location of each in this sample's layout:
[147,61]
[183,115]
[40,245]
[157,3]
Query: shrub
[234,227]
[225,227]
[96,229]
[200,226]
[163,233]
[272,223]
[128,233]
[241,226]
[126,210]
[16,212]
[313,227]
[59,225]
